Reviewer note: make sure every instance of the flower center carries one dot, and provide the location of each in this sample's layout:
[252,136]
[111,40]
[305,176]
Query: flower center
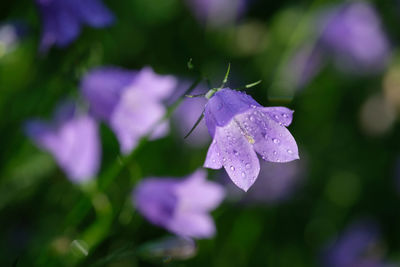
[244,132]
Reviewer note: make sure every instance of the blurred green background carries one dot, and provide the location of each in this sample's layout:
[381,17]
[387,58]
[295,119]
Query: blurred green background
[350,169]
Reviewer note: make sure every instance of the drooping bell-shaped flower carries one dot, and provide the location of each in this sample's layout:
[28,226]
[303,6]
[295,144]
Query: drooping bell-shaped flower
[240,128]
[130,102]
[181,206]
[73,140]
[62,19]
[356,247]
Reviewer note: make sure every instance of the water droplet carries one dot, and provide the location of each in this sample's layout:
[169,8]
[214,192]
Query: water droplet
[285,115]
[274,152]
[235,152]
[252,118]
[276,117]
[247,166]
[243,174]
[232,168]
[253,106]
[276,141]
[289,151]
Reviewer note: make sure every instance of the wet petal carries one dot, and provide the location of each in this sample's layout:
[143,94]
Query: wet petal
[224,105]
[272,140]
[213,159]
[281,115]
[238,156]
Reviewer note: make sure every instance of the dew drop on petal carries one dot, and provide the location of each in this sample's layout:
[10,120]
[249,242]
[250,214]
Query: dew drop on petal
[289,151]
[276,141]
[252,118]
[247,166]
[232,168]
[274,152]
[243,174]
[285,115]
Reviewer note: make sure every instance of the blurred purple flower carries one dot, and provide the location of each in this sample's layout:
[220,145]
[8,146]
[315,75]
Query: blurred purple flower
[217,12]
[353,33]
[129,101]
[356,247]
[62,19]
[187,114]
[181,206]
[72,138]
[240,127]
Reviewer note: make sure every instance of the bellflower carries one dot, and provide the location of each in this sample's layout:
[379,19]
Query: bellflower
[240,128]
[355,248]
[181,206]
[73,140]
[130,102]
[353,34]
[62,19]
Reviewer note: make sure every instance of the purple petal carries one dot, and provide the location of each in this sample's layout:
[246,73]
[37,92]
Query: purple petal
[134,117]
[281,115]
[237,155]
[213,160]
[192,224]
[93,13]
[156,200]
[272,140]
[103,87]
[198,194]
[156,86]
[224,105]
[62,20]
[74,143]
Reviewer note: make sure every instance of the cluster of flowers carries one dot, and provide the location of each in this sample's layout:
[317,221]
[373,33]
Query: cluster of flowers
[131,104]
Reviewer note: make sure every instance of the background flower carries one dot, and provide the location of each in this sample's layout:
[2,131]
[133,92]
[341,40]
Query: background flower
[181,206]
[62,20]
[72,138]
[130,102]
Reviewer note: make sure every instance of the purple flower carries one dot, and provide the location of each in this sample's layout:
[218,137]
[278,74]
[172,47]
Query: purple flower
[62,19]
[181,206]
[217,12]
[73,140]
[129,101]
[353,33]
[240,127]
[356,247]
